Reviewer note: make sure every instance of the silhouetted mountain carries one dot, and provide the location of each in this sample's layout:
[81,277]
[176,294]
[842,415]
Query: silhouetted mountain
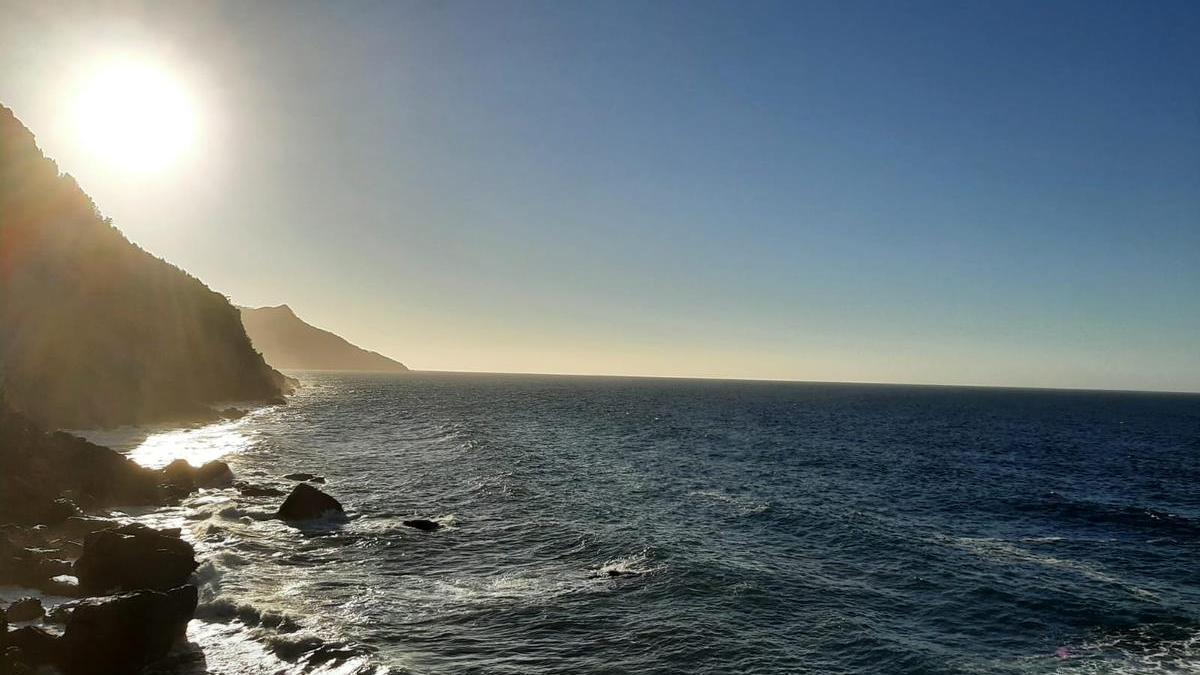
[94,331]
[287,342]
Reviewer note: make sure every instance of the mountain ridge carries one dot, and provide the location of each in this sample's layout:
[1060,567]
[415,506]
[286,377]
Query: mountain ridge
[96,331]
[290,343]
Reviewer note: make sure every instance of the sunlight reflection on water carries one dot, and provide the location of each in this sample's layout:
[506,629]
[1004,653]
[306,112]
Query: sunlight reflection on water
[197,446]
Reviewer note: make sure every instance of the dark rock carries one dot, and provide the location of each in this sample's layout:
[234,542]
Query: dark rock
[60,614]
[32,568]
[306,503]
[36,646]
[214,474]
[233,414]
[134,557]
[423,524]
[248,490]
[11,663]
[180,477]
[307,477]
[37,468]
[60,510]
[25,609]
[81,526]
[122,633]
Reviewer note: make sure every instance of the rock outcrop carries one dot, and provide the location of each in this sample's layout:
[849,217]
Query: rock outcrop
[37,471]
[123,633]
[134,557]
[307,503]
[25,609]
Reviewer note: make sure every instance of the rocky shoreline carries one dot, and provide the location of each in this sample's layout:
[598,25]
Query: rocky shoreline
[130,587]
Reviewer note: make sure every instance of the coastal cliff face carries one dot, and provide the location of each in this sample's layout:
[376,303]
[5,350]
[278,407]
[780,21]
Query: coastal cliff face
[287,342]
[95,331]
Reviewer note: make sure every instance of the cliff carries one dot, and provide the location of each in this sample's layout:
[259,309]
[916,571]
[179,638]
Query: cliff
[289,343]
[95,331]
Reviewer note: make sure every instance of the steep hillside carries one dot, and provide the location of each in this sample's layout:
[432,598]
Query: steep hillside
[94,331]
[288,342]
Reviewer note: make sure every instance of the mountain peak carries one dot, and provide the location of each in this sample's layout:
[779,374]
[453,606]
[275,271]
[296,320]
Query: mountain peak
[286,341]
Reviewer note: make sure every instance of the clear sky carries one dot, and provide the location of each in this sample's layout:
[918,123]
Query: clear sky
[949,192]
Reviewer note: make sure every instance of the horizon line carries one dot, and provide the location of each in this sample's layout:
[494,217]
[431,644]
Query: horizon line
[766,380]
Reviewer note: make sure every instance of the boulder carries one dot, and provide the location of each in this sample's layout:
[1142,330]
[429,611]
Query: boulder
[306,503]
[122,633]
[25,609]
[35,646]
[423,524]
[214,474]
[232,414]
[134,557]
[306,477]
[179,477]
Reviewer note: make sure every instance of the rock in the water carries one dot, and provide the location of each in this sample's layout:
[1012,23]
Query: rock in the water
[180,477]
[134,557]
[307,477]
[25,609]
[214,474]
[233,414]
[423,524]
[122,633]
[249,490]
[306,503]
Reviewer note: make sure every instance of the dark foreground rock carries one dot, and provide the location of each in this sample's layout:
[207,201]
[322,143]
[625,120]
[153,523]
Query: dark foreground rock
[134,557]
[306,503]
[122,633]
[22,565]
[33,646]
[25,609]
[423,524]
[38,469]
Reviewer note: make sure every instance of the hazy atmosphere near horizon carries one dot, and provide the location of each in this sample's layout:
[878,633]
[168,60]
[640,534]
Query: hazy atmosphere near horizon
[926,192]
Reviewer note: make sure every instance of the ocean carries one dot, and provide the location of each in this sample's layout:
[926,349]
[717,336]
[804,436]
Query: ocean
[752,527]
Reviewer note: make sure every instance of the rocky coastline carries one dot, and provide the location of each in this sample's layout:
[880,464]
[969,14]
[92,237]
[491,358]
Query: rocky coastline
[130,587]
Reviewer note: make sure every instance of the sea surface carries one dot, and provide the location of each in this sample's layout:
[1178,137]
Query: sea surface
[755,527]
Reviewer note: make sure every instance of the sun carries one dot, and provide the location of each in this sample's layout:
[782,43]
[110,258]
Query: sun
[135,116]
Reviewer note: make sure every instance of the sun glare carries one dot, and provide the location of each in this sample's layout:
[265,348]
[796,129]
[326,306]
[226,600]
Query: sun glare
[135,116]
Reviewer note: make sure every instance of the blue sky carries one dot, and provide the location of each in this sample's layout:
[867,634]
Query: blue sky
[955,192]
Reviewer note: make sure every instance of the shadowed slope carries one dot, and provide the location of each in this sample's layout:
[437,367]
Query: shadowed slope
[94,331]
[287,342]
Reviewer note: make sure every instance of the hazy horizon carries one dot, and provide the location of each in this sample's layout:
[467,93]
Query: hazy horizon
[932,193]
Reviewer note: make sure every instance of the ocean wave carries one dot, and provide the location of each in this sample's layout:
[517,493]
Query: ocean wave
[743,506]
[999,549]
[1148,648]
[632,565]
[1142,518]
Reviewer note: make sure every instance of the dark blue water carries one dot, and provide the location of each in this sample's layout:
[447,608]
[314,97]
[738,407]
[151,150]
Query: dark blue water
[764,527]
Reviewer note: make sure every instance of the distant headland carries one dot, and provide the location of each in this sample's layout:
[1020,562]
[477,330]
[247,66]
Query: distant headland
[289,343]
